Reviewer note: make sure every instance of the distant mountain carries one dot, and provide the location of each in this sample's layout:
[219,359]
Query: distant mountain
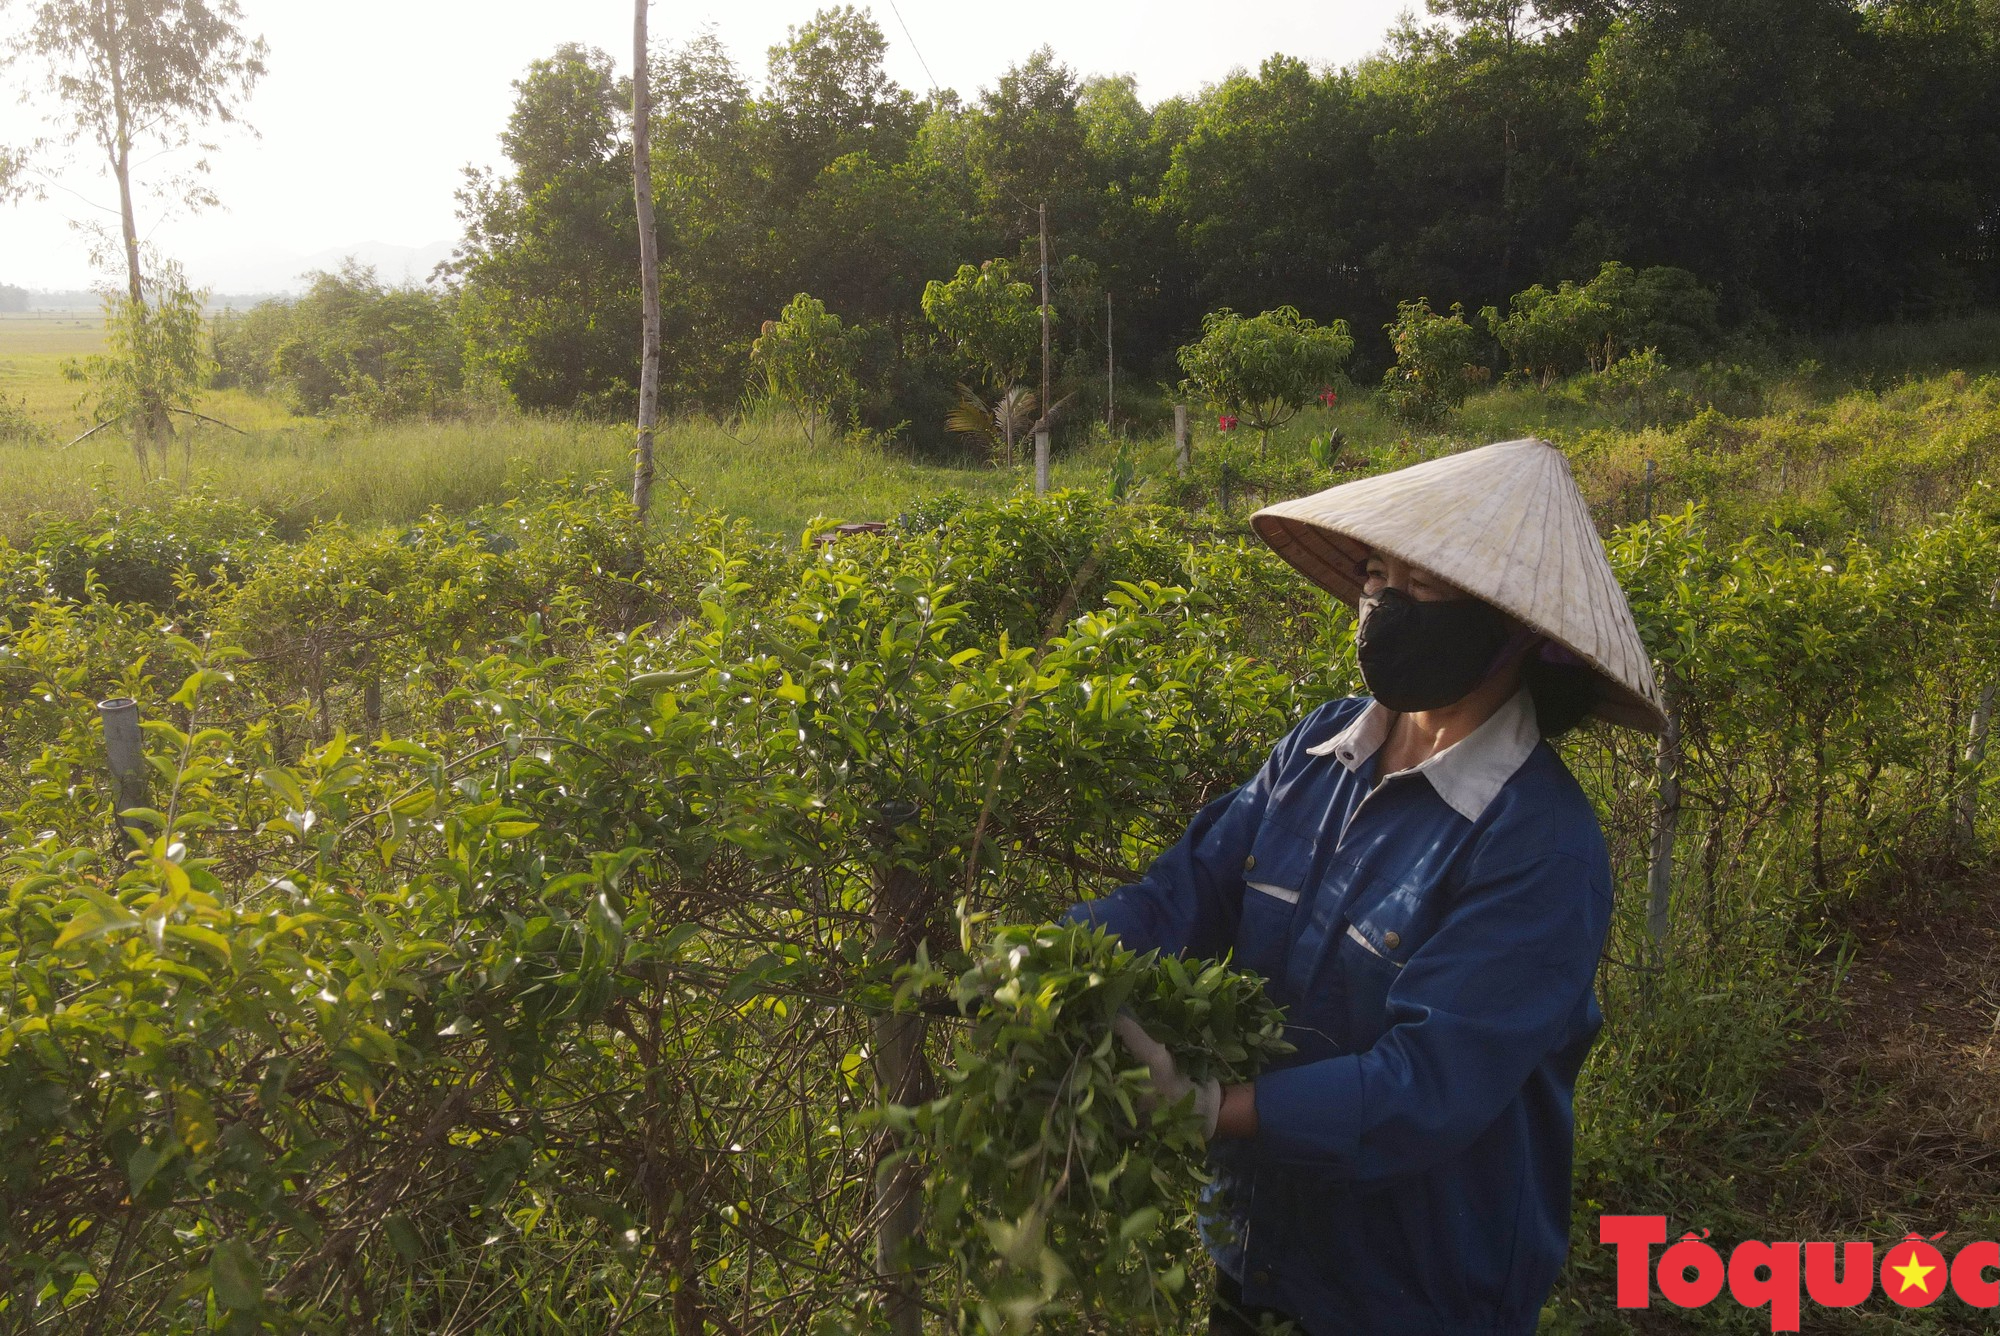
[275,271]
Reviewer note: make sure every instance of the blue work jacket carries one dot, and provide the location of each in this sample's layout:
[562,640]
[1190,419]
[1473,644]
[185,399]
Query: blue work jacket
[1434,939]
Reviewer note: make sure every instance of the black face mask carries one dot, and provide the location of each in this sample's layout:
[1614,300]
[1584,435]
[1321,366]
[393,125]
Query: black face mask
[1424,656]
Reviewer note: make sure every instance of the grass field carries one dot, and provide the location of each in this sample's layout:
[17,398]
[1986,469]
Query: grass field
[1887,401]
[309,471]
[33,348]
[36,345]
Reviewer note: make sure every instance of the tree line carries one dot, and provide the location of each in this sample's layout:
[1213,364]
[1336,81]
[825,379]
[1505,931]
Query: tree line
[1814,163]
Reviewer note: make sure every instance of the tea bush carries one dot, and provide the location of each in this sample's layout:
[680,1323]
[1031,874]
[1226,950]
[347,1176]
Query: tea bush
[547,991]
[1047,1184]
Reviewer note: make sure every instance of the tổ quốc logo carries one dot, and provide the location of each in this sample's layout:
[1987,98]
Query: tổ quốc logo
[1690,1273]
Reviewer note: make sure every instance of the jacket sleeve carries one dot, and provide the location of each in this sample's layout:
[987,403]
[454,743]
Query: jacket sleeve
[1191,898]
[1188,902]
[1486,999]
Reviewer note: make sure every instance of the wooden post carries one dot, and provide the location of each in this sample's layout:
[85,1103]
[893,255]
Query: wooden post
[1110,369]
[649,265]
[901,1077]
[1666,819]
[1183,441]
[371,706]
[1965,812]
[1042,462]
[1649,489]
[1043,409]
[126,752]
[1966,816]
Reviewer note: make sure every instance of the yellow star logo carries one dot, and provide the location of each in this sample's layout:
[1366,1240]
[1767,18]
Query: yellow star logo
[1913,1273]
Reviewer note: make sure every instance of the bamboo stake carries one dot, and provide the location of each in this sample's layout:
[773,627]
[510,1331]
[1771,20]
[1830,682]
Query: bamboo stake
[1967,813]
[92,432]
[203,417]
[1044,214]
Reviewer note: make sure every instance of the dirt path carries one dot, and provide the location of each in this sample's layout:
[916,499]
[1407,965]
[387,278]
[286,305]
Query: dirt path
[1906,1077]
[1887,1119]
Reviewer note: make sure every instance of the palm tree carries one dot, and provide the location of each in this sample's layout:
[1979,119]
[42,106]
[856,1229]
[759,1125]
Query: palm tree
[998,424]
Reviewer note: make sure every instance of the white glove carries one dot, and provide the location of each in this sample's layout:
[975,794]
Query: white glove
[1169,1086]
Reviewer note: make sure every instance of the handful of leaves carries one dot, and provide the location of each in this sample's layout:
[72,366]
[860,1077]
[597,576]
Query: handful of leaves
[1047,1189]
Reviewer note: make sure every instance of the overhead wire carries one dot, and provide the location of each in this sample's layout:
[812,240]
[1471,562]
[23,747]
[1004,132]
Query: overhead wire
[902,23]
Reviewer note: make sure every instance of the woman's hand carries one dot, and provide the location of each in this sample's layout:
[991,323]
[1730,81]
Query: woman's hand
[1237,1119]
[1169,1085]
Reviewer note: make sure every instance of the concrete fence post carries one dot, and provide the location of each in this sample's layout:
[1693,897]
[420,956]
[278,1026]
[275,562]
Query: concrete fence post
[125,750]
[1041,463]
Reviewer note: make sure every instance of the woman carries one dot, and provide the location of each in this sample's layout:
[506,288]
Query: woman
[1427,891]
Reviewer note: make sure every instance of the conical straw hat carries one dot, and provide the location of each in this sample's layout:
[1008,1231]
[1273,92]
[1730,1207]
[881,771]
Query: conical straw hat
[1505,523]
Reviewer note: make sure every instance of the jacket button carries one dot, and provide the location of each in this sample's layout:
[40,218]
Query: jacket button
[1250,863]
[1392,940]
[1260,1277]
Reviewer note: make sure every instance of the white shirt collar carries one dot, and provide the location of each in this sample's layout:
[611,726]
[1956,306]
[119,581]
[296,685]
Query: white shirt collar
[1470,773]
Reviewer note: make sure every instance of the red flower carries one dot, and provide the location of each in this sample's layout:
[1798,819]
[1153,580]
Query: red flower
[1227,422]
[1328,397]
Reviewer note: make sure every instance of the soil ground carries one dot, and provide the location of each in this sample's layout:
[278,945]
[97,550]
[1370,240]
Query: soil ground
[1904,1080]
[1894,1100]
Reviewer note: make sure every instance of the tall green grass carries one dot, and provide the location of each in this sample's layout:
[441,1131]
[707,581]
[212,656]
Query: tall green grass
[391,474]
[1884,426]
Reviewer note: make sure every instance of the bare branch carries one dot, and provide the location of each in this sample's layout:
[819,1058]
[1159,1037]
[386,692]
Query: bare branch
[112,422]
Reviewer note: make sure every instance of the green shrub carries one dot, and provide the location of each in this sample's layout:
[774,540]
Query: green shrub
[1436,362]
[156,556]
[990,320]
[564,990]
[1047,1189]
[350,345]
[806,359]
[1264,368]
[1585,327]
[1231,475]
[156,358]
[18,425]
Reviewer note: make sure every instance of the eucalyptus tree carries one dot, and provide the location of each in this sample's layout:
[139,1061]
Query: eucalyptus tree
[649,264]
[130,77]
[12,163]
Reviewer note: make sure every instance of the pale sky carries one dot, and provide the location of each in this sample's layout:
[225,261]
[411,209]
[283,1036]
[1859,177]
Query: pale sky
[371,107]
